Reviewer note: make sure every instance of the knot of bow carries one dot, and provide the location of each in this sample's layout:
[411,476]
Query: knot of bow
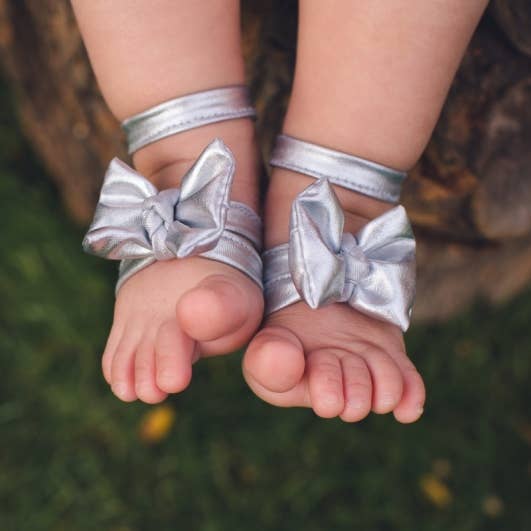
[134,220]
[373,271]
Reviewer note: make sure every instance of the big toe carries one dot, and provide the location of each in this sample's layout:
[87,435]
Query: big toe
[275,359]
[217,307]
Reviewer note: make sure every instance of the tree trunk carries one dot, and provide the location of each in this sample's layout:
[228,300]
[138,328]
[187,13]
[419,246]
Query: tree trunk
[469,197]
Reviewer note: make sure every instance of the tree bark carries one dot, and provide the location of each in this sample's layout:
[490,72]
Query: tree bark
[469,197]
[514,17]
[60,106]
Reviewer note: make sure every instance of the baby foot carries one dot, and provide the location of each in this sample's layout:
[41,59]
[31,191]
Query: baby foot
[173,312]
[335,359]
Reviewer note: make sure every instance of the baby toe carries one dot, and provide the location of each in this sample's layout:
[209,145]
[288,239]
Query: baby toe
[122,369]
[411,406]
[275,359]
[325,381]
[357,387]
[145,381]
[113,341]
[174,354]
[387,382]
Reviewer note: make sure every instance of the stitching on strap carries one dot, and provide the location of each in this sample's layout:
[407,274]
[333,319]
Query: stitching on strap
[247,111]
[333,178]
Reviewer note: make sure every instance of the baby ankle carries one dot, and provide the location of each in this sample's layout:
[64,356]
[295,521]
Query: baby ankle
[285,185]
[165,161]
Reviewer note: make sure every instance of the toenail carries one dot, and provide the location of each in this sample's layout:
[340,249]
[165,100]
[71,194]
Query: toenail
[330,400]
[142,388]
[387,400]
[119,389]
[420,410]
[357,404]
[165,376]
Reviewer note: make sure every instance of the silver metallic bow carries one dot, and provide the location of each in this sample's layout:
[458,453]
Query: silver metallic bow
[373,271]
[134,220]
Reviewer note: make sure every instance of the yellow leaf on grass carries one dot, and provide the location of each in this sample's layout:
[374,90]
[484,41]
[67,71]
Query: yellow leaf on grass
[157,423]
[493,506]
[435,490]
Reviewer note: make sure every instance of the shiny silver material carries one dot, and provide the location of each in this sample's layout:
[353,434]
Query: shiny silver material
[373,271]
[339,168]
[137,224]
[186,112]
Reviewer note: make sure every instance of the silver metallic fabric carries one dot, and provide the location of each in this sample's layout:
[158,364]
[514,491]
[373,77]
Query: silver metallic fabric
[186,112]
[137,224]
[339,168]
[373,271]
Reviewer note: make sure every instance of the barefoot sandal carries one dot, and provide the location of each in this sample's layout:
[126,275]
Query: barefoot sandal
[373,271]
[138,224]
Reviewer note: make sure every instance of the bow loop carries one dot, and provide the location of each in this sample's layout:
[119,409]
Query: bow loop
[201,213]
[316,227]
[357,265]
[134,220]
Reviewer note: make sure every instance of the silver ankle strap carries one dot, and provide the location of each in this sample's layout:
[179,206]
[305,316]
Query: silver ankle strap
[342,169]
[187,112]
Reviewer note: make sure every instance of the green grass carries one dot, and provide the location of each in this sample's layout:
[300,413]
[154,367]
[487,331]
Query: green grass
[71,457]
